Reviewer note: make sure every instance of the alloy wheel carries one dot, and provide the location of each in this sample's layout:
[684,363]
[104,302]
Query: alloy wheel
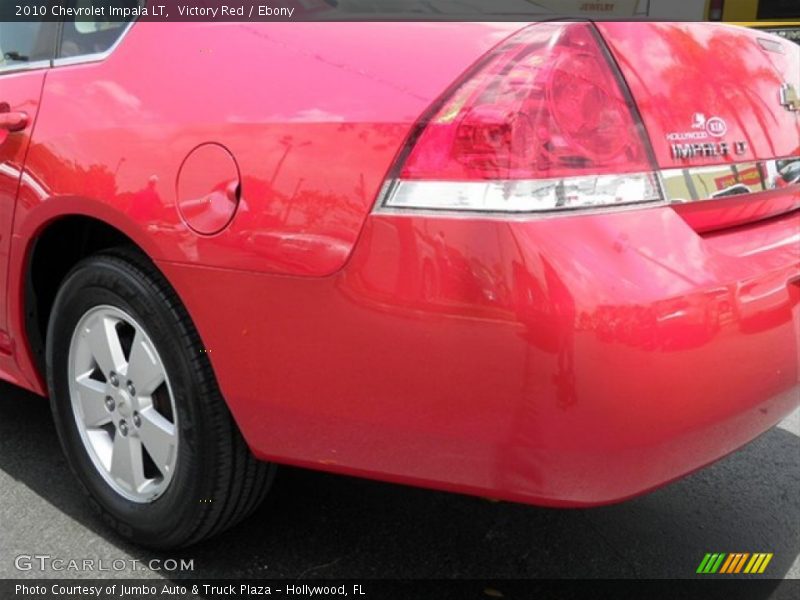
[123,404]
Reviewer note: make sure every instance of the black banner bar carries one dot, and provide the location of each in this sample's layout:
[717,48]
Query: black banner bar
[343,10]
[712,588]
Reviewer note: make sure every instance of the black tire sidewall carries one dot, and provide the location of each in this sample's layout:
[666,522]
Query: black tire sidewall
[100,281]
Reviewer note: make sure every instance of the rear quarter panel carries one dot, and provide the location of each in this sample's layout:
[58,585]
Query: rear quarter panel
[313,113]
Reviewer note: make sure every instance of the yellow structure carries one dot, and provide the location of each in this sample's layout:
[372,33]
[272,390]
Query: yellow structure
[778,16]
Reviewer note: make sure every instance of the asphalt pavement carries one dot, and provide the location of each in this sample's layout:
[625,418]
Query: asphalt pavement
[323,526]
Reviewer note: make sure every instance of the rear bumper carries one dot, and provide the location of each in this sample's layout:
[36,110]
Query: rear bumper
[563,361]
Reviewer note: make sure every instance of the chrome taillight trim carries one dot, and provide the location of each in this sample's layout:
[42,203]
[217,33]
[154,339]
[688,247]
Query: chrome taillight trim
[698,184]
[588,193]
[788,33]
[522,195]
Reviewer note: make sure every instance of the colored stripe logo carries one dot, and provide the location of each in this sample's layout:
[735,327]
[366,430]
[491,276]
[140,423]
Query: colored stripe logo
[735,562]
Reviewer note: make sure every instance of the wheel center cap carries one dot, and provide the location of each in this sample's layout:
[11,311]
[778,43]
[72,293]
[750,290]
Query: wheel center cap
[125,405]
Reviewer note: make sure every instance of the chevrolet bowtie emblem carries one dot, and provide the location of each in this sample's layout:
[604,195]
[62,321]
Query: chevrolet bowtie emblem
[789,98]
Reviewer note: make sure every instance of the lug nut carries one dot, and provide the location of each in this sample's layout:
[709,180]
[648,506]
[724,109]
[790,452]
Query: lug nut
[131,390]
[112,377]
[110,404]
[137,420]
[123,428]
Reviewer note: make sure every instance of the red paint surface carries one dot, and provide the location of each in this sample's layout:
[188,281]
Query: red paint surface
[567,360]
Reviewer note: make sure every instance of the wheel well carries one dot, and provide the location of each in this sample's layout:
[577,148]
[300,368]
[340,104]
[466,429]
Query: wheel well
[55,252]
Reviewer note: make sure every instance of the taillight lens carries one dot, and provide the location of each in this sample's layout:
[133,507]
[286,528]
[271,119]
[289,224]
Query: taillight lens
[543,123]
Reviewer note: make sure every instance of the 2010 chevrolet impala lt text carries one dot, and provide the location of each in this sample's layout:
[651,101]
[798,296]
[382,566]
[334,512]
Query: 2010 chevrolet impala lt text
[555,263]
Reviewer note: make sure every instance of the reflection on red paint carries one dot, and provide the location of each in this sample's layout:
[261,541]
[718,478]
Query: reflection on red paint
[569,360]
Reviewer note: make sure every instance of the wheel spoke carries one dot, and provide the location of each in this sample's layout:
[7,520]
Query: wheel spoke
[127,467]
[92,396]
[158,437]
[144,369]
[105,346]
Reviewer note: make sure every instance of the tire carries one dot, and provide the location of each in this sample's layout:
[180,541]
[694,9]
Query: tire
[195,477]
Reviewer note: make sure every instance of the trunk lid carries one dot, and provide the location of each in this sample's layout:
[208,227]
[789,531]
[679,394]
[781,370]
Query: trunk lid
[720,105]
[710,84]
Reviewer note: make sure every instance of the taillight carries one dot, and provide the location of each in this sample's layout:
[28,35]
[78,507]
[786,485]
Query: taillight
[542,123]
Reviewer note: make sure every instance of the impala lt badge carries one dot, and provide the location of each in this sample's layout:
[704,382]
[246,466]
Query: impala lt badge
[708,149]
[790,99]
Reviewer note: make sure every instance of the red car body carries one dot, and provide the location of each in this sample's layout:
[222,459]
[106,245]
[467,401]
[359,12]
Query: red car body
[569,360]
